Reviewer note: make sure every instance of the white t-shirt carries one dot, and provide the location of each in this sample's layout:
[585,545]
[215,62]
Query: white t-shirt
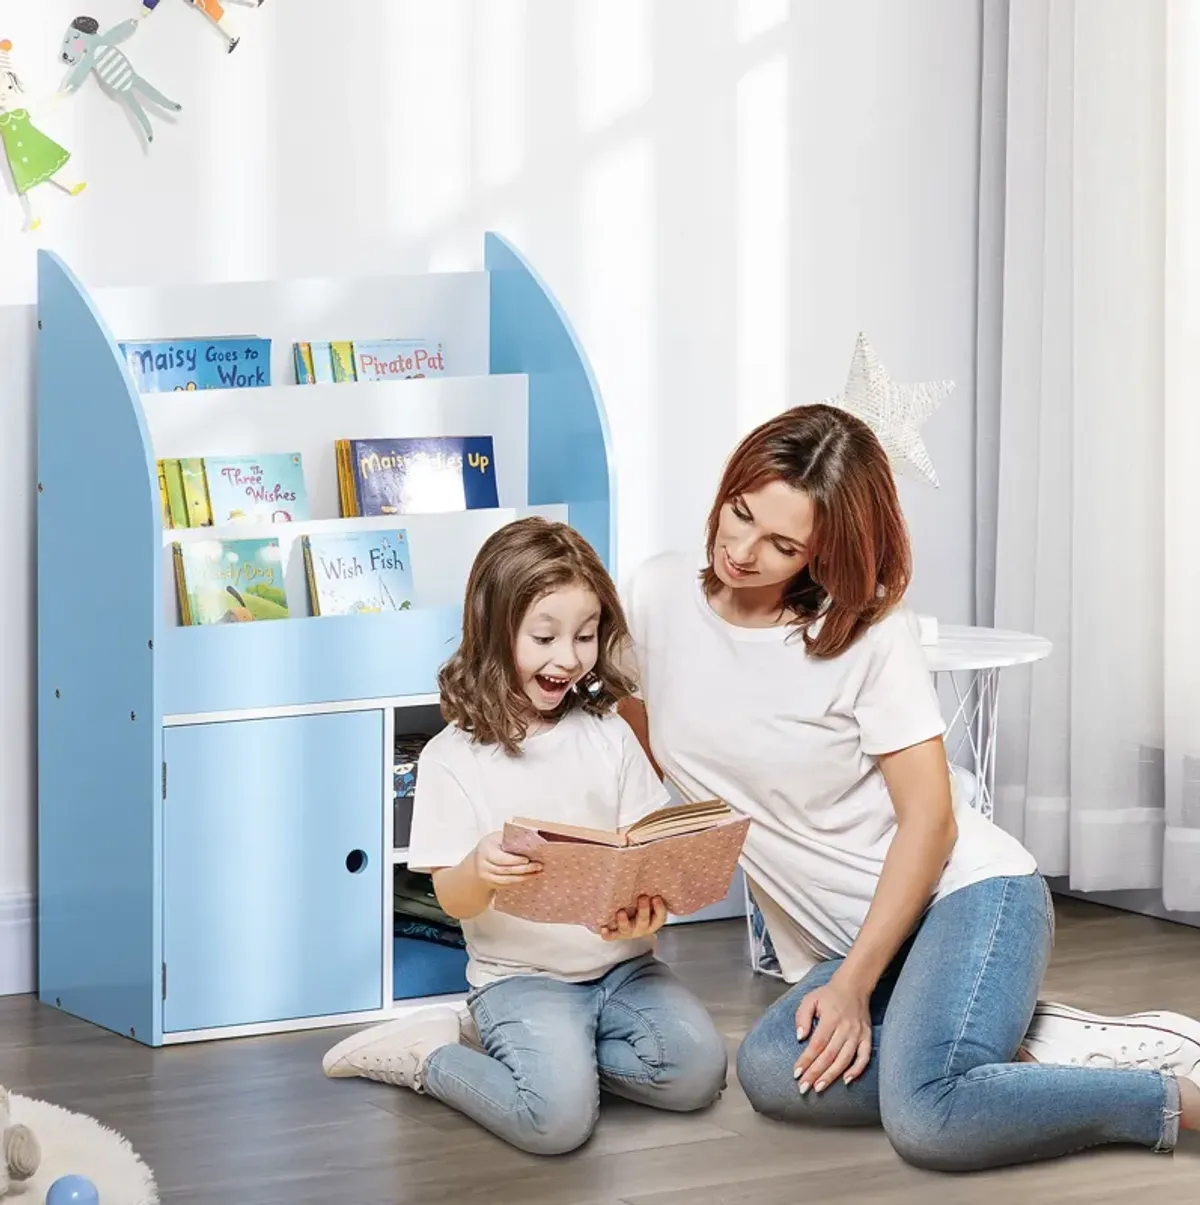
[792,741]
[587,770]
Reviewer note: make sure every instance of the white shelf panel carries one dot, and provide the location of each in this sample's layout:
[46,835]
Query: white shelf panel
[442,548]
[399,857]
[310,419]
[451,307]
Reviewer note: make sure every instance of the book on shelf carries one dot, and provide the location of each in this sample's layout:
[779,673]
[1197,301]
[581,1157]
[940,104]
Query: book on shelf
[416,475]
[230,581]
[341,355]
[195,492]
[170,477]
[267,488]
[397,359]
[302,357]
[174,365]
[215,490]
[686,853]
[368,360]
[358,572]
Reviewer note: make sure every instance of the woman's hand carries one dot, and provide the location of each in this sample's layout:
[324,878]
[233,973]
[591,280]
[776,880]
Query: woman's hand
[841,1044]
[499,869]
[650,916]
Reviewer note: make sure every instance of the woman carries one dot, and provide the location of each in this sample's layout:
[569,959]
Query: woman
[785,677]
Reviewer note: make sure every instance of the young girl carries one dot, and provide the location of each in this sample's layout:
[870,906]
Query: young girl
[32,157]
[560,1011]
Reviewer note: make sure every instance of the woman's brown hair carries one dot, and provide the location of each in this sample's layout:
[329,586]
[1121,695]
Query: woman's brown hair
[517,565]
[860,562]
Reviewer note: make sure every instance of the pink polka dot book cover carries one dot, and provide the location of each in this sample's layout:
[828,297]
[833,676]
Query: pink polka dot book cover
[686,854]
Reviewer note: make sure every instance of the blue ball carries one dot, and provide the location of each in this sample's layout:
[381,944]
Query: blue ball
[73,1190]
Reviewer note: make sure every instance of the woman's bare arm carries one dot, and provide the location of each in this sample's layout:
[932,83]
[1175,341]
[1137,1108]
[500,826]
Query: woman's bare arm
[918,780]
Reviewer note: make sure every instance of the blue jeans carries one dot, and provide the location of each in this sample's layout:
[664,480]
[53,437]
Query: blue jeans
[551,1046]
[949,1016]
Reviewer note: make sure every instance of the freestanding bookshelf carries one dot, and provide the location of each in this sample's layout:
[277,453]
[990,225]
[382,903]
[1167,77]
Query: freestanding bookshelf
[215,842]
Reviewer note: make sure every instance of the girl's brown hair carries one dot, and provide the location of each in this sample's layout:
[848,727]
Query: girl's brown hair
[860,562]
[517,565]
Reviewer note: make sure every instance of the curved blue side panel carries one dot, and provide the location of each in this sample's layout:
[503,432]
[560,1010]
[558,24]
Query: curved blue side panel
[569,446]
[99,746]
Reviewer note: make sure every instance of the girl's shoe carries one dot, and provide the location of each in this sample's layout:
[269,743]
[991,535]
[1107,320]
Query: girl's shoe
[396,1051]
[1152,1041]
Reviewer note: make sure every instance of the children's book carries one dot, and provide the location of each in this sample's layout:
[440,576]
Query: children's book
[302,358]
[686,854]
[342,355]
[229,362]
[416,475]
[268,488]
[322,362]
[230,581]
[163,497]
[358,572]
[171,480]
[195,493]
[397,359]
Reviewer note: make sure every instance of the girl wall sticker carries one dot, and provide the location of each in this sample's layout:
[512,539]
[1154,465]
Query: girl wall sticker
[86,49]
[33,158]
[214,11]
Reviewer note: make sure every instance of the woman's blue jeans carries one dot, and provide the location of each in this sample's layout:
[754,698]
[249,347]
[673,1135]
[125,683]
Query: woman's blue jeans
[949,1016]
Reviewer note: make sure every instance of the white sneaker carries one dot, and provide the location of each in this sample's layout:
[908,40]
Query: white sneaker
[1152,1041]
[396,1051]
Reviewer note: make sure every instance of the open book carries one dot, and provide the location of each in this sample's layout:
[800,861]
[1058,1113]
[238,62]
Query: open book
[686,854]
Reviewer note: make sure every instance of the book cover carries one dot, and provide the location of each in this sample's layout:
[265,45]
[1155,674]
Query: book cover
[268,488]
[164,365]
[342,357]
[358,572]
[302,357]
[322,363]
[230,581]
[176,502]
[418,475]
[195,492]
[397,359]
[587,884]
[163,497]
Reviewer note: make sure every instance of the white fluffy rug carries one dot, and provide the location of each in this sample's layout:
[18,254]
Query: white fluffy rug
[73,1143]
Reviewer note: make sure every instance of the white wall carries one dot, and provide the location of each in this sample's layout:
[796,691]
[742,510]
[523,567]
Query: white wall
[721,192]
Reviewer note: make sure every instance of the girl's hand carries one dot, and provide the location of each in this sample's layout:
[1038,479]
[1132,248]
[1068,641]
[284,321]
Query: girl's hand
[650,916]
[841,1044]
[499,869]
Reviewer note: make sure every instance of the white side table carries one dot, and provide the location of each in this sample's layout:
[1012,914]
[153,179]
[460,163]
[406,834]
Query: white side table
[969,660]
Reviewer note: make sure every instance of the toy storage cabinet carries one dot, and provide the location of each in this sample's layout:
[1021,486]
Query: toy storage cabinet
[215,803]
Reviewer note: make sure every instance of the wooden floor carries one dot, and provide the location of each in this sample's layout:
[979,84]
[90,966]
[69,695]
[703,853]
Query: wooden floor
[255,1122]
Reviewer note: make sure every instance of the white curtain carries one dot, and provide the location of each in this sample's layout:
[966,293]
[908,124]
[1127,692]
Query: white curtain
[1090,446]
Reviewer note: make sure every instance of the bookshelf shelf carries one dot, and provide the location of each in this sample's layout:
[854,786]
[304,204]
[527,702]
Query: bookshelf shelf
[227,868]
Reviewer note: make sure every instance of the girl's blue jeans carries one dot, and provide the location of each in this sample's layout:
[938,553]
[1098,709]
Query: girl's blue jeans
[949,1016]
[551,1046]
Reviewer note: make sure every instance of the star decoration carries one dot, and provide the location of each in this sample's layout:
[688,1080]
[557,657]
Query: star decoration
[894,412]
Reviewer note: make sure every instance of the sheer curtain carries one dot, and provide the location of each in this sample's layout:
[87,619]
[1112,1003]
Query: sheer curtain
[1090,436]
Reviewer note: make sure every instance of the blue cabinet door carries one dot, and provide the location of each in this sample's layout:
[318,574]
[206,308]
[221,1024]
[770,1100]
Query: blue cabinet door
[273,866]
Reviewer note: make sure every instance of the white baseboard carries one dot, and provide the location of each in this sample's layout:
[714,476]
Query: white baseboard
[1145,903]
[17,943]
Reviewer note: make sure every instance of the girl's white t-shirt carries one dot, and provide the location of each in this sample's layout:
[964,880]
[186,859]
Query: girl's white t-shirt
[745,714]
[587,770]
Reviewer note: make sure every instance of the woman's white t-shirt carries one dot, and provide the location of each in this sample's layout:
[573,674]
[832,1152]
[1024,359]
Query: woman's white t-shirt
[745,714]
[587,770]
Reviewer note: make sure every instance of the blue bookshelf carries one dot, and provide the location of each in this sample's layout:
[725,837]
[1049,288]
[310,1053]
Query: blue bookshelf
[214,803]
